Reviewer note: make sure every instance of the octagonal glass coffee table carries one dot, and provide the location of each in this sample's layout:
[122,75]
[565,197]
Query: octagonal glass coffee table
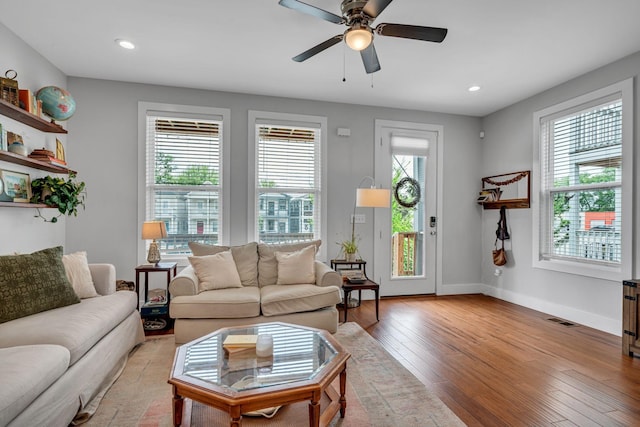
[304,363]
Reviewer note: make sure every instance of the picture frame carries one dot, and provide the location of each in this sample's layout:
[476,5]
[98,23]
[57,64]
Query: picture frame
[60,151]
[3,138]
[16,186]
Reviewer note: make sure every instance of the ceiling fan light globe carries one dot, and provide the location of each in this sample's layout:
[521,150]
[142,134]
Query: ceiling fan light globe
[358,38]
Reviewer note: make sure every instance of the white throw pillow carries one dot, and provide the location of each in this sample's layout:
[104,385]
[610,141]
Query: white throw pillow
[297,267]
[77,268]
[217,271]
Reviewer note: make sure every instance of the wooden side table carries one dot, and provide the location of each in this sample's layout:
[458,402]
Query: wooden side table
[170,268]
[368,284]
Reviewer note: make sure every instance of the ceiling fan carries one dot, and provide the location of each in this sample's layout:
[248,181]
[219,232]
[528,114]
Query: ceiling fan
[357,15]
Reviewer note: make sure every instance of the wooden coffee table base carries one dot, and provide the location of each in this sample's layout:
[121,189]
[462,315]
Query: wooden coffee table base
[280,396]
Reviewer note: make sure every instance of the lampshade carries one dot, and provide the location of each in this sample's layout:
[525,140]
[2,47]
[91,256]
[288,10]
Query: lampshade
[358,38]
[372,197]
[153,230]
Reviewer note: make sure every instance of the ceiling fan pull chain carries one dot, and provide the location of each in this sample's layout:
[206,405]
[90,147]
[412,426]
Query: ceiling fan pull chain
[344,60]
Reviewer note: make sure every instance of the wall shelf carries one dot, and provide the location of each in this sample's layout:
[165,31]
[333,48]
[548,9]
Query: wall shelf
[17,113]
[513,191]
[24,205]
[32,163]
[509,204]
[22,116]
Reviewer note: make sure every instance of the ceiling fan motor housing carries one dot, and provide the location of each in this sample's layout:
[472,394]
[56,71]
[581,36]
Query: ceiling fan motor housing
[352,11]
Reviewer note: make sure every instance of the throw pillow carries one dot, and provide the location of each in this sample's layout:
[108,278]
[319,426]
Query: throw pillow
[78,273]
[297,267]
[33,283]
[216,271]
[267,263]
[245,256]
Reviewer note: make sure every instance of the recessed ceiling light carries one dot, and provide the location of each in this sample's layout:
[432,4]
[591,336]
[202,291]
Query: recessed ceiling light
[474,88]
[125,44]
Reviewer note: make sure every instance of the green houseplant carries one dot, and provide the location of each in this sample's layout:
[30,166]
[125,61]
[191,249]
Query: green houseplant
[64,194]
[349,248]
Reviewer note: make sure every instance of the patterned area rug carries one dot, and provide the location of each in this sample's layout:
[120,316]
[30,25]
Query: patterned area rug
[380,392]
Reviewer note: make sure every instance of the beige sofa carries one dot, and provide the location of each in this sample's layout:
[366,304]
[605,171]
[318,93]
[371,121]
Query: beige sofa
[261,297]
[54,363]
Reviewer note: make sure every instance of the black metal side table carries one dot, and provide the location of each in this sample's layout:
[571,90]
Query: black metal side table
[158,311]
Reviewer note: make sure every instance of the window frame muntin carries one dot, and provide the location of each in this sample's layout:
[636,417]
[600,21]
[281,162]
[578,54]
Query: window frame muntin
[589,268]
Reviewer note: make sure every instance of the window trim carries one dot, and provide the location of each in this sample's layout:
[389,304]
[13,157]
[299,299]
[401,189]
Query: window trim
[587,268]
[192,112]
[287,119]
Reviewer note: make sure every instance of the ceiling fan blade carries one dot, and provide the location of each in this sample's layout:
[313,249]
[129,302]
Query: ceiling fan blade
[416,32]
[370,59]
[311,10]
[374,8]
[319,48]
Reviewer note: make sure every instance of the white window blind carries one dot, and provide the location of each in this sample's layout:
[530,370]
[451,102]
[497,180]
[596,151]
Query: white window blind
[184,180]
[288,182]
[581,183]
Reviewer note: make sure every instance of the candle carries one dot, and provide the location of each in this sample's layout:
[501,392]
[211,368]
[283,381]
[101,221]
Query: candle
[264,345]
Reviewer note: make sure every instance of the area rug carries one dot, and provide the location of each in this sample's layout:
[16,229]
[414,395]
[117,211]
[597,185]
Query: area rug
[380,392]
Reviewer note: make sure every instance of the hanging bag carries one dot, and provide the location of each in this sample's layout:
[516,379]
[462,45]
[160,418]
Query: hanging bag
[500,255]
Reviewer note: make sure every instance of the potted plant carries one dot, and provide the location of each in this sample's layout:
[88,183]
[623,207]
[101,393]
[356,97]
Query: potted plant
[349,248]
[64,194]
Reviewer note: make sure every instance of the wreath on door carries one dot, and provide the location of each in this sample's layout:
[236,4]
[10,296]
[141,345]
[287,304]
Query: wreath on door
[407,192]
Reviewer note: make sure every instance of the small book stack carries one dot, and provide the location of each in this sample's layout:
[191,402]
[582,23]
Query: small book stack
[234,344]
[47,157]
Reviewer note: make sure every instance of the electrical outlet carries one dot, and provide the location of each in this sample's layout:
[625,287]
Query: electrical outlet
[358,219]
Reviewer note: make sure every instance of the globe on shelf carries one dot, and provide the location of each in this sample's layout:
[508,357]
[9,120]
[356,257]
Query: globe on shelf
[57,103]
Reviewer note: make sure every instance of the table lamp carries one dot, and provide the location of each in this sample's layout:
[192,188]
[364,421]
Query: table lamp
[153,230]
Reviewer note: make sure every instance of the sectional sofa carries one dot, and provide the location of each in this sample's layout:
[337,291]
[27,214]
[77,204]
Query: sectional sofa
[53,363]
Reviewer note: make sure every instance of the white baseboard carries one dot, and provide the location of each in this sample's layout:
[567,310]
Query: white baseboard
[612,326]
[461,289]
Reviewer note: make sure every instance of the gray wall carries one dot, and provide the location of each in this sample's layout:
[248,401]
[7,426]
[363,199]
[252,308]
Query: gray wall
[104,133]
[20,231]
[508,146]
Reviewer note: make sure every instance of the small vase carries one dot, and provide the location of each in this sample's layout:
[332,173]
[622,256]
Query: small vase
[350,257]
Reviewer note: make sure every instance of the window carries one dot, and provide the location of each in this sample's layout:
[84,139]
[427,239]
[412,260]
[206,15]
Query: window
[184,179]
[584,184]
[286,157]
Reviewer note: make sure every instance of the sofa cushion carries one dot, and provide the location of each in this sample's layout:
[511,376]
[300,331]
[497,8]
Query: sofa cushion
[26,372]
[296,267]
[33,283]
[232,303]
[282,299]
[216,271]
[245,256]
[267,263]
[76,327]
[76,267]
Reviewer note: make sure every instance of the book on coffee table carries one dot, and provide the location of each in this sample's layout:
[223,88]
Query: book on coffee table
[240,341]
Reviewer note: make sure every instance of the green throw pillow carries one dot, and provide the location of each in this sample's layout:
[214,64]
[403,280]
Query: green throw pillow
[33,283]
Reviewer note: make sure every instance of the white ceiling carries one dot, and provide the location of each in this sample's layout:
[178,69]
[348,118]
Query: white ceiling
[511,48]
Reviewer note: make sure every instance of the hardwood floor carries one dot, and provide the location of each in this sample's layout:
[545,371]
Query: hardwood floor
[498,364]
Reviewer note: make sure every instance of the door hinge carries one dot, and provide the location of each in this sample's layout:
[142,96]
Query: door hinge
[630,297]
[630,283]
[629,333]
